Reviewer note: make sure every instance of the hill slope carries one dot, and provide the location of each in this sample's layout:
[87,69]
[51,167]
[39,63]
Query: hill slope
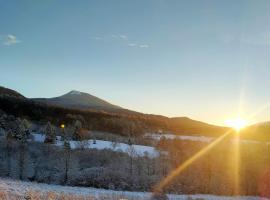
[5,92]
[259,131]
[190,126]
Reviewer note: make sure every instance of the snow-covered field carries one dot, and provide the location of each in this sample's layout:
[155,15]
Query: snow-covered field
[23,190]
[132,150]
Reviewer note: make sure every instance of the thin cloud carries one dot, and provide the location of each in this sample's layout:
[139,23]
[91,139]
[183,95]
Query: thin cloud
[96,38]
[10,40]
[144,46]
[121,38]
[138,45]
[132,45]
[113,36]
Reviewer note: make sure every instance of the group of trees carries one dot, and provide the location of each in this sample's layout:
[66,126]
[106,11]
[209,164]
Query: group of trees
[73,131]
[96,168]
[21,157]
[15,129]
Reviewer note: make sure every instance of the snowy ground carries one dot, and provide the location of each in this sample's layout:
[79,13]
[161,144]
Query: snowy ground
[19,190]
[133,150]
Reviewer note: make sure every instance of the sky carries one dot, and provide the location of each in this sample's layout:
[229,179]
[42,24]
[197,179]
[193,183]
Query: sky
[207,60]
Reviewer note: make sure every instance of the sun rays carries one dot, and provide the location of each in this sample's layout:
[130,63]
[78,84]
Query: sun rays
[237,124]
[159,187]
[237,163]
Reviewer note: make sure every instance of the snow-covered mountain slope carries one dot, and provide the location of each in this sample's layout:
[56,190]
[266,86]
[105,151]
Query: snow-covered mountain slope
[11,189]
[79,100]
[132,150]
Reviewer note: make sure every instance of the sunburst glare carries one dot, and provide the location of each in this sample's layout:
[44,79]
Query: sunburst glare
[236,123]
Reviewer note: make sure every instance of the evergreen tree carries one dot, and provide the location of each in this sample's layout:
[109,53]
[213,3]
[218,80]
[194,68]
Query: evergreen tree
[77,131]
[50,134]
[4,125]
[21,133]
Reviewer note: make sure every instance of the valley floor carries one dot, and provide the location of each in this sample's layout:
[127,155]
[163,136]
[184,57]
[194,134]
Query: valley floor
[12,189]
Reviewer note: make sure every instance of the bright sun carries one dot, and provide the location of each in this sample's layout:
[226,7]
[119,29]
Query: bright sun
[237,123]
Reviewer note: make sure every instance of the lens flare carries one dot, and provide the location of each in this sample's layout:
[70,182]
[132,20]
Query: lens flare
[167,180]
[237,123]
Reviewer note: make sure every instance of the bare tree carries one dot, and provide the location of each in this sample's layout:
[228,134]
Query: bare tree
[132,153]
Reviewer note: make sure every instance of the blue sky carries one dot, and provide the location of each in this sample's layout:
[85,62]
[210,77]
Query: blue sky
[200,59]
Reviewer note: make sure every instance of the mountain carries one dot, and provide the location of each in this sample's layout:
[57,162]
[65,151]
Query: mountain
[79,100]
[259,131]
[190,126]
[5,92]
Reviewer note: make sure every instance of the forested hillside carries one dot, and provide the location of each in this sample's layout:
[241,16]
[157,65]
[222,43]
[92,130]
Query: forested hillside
[123,123]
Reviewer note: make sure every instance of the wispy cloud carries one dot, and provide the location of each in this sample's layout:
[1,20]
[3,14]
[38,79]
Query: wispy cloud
[138,45]
[132,45]
[10,40]
[96,38]
[120,37]
[144,46]
[124,39]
